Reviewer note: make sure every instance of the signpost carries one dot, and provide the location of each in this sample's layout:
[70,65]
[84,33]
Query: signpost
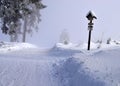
[90,16]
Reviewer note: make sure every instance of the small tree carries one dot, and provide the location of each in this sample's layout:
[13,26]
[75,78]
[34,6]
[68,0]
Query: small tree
[64,37]
[108,40]
[99,43]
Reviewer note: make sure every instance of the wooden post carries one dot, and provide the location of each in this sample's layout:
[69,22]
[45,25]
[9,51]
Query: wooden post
[90,16]
[90,28]
[89,39]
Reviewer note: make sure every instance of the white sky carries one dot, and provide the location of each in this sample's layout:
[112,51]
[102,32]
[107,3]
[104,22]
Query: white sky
[71,15]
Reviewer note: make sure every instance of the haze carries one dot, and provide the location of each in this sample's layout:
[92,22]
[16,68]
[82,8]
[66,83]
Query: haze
[71,15]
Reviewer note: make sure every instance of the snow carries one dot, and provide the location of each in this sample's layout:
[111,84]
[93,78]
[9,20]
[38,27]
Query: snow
[94,46]
[24,64]
[7,46]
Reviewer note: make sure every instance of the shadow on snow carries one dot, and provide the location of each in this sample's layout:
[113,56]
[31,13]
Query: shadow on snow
[71,73]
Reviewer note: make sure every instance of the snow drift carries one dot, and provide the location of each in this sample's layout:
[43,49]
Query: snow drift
[63,65]
[7,46]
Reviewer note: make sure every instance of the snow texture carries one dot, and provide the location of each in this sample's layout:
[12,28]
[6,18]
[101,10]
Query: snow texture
[23,64]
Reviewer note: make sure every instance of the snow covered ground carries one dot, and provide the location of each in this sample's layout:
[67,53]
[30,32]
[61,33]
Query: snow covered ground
[23,64]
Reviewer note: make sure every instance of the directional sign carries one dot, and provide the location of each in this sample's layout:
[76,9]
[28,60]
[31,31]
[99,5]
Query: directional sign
[91,15]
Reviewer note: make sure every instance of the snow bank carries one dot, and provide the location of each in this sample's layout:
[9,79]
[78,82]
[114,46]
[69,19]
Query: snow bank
[9,46]
[65,46]
[83,46]
[103,65]
[72,73]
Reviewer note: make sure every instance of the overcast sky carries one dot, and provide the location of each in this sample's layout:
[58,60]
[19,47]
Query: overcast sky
[71,15]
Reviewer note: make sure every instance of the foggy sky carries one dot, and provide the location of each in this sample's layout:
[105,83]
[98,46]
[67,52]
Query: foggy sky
[71,15]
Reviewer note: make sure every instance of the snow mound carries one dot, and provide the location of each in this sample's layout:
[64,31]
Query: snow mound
[9,46]
[72,73]
[83,46]
[76,46]
[103,65]
[65,46]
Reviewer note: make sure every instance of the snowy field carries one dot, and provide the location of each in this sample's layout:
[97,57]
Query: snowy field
[23,64]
